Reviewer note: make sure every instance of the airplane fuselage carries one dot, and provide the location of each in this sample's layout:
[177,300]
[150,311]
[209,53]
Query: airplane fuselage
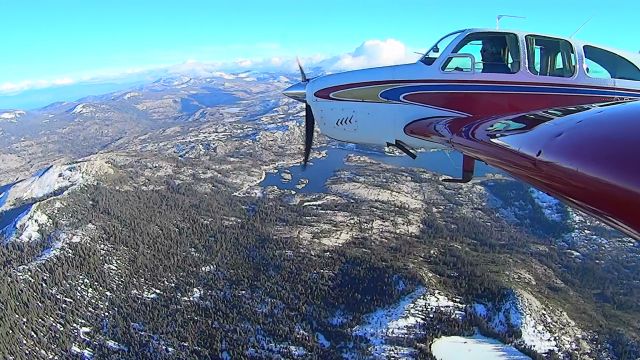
[374,106]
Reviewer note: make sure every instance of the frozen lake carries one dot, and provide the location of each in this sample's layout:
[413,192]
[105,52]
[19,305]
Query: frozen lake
[476,347]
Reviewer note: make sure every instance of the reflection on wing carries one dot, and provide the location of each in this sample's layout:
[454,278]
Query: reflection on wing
[586,155]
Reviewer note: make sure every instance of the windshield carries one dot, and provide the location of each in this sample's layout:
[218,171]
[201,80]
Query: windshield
[435,51]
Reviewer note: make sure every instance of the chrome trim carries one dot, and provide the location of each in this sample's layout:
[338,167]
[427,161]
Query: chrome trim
[297,91]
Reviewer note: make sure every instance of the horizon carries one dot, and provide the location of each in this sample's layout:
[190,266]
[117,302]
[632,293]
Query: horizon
[63,47]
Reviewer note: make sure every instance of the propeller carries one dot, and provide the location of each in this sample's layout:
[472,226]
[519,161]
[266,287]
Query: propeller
[298,92]
[302,74]
[309,127]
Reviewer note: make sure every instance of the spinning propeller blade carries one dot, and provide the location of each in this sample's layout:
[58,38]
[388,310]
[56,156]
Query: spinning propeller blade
[298,92]
[309,126]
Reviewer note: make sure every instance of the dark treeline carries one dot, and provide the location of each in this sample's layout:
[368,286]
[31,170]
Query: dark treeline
[216,277]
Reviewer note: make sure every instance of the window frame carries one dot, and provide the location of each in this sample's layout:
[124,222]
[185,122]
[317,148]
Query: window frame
[459,55]
[617,57]
[424,59]
[451,54]
[531,62]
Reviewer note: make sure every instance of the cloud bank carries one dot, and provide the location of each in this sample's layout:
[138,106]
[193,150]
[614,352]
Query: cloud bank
[370,53]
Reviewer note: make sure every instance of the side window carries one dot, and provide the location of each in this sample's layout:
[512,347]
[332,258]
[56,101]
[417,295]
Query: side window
[488,52]
[600,63]
[550,56]
[459,62]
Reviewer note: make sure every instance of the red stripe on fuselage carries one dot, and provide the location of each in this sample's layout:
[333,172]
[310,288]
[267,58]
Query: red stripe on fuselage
[326,92]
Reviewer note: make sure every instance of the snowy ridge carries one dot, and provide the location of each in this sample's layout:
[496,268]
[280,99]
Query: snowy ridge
[83,109]
[30,225]
[524,312]
[42,184]
[550,205]
[91,109]
[11,116]
[131,94]
[403,319]
[56,245]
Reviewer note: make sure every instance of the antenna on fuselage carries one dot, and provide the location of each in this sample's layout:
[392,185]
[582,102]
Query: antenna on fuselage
[509,16]
[581,26]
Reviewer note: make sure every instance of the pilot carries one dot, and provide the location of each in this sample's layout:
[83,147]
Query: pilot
[493,56]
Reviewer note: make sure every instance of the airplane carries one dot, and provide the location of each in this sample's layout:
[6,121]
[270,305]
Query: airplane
[557,113]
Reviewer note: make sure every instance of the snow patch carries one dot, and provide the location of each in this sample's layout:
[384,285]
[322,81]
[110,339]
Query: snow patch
[224,75]
[550,205]
[49,252]
[116,346]
[130,95]
[82,333]
[55,178]
[195,295]
[524,312]
[322,340]
[403,319]
[480,309]
[82,109]
[11,116]
[30,225]
[151,294]
[83,353]
[56,245]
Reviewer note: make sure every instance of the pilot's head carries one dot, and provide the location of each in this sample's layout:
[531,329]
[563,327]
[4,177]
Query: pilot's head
[492,50]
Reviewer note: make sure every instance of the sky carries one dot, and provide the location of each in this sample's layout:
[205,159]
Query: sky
[65,42]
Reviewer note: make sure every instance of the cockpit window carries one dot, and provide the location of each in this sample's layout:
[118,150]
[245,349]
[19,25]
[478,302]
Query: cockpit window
[437,49]
[600,63]
[550,56]
[487,52]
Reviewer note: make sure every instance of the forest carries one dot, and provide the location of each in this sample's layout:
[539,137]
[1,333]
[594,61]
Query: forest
[173,272]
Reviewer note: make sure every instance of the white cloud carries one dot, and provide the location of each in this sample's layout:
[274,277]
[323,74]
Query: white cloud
[369,54]
[9,88]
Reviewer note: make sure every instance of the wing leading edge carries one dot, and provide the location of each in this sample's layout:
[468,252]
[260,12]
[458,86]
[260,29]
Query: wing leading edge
[586,155]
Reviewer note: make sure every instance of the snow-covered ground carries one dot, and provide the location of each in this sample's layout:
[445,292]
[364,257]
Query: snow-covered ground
[43,183]
[383,328]
[476,347]
[403,320]
[30,225]
[52,181]
[11,116]
[550,205]
[524,312]
[82,353]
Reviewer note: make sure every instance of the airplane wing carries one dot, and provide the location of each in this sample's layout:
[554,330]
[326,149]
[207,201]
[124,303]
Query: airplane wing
[588,155]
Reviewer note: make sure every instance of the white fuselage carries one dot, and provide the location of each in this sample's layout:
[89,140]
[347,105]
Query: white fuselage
[373,106]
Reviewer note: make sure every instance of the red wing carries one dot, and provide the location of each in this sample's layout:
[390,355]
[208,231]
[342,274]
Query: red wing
[589,156]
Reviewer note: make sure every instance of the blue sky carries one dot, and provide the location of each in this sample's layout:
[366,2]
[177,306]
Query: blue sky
[48,43]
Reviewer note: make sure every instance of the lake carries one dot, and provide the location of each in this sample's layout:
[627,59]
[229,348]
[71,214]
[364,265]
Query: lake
[473,347]
[320,170]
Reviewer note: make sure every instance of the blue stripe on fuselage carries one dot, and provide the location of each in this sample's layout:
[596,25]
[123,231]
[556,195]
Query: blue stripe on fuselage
[396,94]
